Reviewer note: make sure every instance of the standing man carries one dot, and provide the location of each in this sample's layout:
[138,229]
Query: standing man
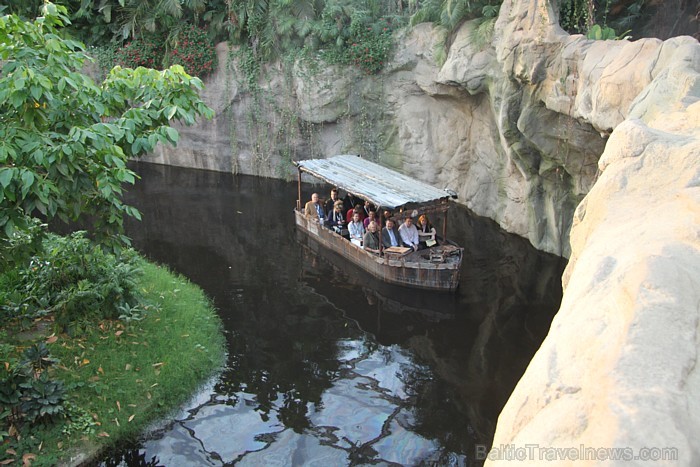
[409,234]
[314,210]
[330,203]
[349,203]
[368,207]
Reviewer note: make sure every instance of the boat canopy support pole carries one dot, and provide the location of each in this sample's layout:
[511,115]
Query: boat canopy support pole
[444,226]
[299,192]
[381,222]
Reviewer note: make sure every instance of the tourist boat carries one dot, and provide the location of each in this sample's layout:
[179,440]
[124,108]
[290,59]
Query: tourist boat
[434,268]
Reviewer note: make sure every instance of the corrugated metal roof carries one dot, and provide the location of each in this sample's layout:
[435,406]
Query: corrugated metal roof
[373,182]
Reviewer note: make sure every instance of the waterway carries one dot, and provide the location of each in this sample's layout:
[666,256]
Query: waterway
[327,366]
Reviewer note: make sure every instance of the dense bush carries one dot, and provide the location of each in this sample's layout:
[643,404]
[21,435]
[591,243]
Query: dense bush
[194,51]
[76,281]
[191,48]
[371,47]
[147,51]
[27,392]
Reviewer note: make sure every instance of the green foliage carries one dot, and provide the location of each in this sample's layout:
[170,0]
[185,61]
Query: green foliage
[42,398]
[372,45]
[27,393]
[190,47]
[482,34]
[595,19]
[344,31]
[194,51]
[115,385]
[11,377]
[604,33]
[79,420]
[78,282]
[576,16]
[451,14]
[147,50]
[64,141]
[20,246]
[37,357]
[106,57]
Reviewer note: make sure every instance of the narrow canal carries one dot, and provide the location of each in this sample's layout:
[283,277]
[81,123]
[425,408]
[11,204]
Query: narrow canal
[327,366]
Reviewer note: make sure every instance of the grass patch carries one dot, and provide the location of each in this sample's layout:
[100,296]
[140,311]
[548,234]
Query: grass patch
[119,375]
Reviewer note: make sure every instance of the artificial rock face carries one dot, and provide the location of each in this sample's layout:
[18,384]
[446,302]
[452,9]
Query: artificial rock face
[478,124]
[515,126]
[618,367]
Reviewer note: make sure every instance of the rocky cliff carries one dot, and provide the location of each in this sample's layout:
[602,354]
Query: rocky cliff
[509,133]
[618,367]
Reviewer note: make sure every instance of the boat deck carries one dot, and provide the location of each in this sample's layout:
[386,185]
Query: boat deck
[441,253]
[435,268]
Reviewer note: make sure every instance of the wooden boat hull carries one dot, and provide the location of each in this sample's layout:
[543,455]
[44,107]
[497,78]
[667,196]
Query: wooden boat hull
[442,276]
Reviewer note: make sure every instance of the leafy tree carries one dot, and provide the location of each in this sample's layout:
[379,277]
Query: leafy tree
[450,14]
[64,141]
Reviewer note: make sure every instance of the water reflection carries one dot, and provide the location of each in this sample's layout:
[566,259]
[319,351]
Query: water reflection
[326,365]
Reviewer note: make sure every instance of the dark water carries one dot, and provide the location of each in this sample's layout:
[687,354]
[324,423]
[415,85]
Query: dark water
[327,366]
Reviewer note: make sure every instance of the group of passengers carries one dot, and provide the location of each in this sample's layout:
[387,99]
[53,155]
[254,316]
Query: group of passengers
[358,222]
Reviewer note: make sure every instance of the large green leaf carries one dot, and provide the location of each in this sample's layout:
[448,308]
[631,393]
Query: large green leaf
[6,174]
[75,136]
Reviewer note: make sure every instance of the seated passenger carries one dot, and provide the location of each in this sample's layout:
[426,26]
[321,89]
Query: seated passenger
[314,210]
[372,217]
[426,231]
[356,210]
[356,229]
[390,236]
[370,241]
[409,234]
[336,219]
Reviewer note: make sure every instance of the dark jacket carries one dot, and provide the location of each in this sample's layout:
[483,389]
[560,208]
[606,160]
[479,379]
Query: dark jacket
[386,240]
[333,222]
[328,207]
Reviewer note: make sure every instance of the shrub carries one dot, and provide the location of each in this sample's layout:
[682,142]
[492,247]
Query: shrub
[371,45]
[42,398]
[78,281]
[146,51]
[27,392]
[194,51]
[106,57]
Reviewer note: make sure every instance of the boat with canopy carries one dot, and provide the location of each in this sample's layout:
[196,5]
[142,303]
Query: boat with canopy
[434,268]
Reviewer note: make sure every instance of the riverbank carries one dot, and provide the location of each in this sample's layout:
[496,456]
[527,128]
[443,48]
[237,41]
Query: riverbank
[119,376]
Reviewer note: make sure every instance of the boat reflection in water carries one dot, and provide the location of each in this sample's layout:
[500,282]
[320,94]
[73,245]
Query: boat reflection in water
[329,273]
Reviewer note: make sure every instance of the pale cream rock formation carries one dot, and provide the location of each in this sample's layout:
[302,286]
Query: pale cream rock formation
[618,368]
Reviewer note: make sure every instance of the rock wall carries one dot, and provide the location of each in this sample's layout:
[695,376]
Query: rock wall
[505,135]
[618,367]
